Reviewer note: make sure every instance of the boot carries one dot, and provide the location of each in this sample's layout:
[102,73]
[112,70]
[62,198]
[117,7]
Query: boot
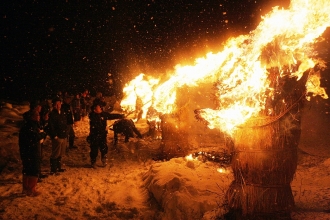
[25,184]
[53,166]
[59,169]
[126,138]
[42,176]
[104,161]
[32,183]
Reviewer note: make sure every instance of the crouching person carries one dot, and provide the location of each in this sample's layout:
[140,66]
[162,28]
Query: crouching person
[30,139]
[98,132]
[125,127]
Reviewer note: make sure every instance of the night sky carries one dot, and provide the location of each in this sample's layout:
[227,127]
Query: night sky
[65,45]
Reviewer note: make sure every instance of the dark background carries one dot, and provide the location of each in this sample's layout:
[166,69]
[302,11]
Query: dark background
[50,46]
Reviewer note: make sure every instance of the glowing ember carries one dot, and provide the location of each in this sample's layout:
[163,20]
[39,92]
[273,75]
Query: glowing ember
[283,40]
[221,170]
[190,157]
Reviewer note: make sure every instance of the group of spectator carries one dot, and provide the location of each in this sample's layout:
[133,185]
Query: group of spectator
[57,122]
[80,102]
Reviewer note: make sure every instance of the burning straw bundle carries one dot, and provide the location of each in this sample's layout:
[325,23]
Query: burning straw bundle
[265,158]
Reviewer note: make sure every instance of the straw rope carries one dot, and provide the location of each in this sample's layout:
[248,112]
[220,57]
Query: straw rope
[266,150]
[275,118]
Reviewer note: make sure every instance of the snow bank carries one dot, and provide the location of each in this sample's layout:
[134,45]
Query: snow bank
[187,189]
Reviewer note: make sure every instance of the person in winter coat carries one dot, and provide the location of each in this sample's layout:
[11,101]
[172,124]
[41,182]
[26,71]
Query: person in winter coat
[99,100]
[83,104]
[76,106]
[44,116]
[58,134]
[67,110]
[126,127]
[36,105]
[30,138]
[88,101]
[98,133]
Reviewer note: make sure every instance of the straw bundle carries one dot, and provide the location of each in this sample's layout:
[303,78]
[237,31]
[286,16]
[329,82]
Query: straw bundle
[174,135]
[265,158]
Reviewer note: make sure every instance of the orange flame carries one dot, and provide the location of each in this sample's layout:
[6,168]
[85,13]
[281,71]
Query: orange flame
[283,39]
[138,88]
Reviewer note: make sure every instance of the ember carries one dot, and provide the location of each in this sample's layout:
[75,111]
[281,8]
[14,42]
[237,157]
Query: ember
[223,158]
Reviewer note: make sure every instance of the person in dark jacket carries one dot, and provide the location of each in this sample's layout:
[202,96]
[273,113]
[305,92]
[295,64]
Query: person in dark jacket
[76,107]
[98,133]
[67,109]
[83,104]
[58,134]
[44,116]
[88,101]
[30,138]
[126,127]
[36,105]
[99,100]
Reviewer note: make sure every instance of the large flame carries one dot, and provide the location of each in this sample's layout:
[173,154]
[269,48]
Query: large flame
[284,39]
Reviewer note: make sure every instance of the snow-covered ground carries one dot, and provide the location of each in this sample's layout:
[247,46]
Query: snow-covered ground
[134,186]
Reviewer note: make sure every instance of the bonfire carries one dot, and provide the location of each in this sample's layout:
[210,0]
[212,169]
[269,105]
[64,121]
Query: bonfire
[262,81]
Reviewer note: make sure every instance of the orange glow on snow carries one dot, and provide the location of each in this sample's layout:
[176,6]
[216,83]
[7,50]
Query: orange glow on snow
[284,39]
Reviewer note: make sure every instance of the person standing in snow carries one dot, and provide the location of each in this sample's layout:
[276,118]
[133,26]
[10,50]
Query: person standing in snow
[88,101]
[35,105]
[98,132]
[83,104]
[44,117]
[99,100]
[67,110]
[30,138]
[58,134]
[76,106]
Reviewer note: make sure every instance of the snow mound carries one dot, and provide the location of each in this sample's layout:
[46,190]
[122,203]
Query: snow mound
[187,189]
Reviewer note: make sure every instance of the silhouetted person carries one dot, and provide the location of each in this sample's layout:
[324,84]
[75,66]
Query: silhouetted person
[83,105]
[34,105]
[125,127]
[99,100]
[30,138]
[98,133]
[44,118]
[76,106]
[58,134]
[67,110]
